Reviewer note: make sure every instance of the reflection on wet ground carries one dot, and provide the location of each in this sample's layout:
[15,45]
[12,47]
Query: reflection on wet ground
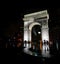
[45,57]
[44,53]
[28,56]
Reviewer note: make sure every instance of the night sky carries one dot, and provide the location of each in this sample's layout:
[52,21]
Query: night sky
[12,15]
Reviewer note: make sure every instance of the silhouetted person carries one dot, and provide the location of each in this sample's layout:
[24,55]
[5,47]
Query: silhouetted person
[25,42]
[47,45]
[44,42]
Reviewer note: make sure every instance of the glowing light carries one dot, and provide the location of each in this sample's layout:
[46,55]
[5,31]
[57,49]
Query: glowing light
[39,32]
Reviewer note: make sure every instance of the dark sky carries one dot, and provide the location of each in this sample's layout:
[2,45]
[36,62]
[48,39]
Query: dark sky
[12,14]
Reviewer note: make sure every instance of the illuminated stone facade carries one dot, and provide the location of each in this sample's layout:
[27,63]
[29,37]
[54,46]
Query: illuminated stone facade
[37,18]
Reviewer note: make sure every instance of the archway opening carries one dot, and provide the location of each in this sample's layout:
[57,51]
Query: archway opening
[36,36]
[36,33]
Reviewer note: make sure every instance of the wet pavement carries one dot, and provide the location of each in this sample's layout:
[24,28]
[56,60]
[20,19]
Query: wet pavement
[24,55]
[43,53]
[27,56]
[17,55]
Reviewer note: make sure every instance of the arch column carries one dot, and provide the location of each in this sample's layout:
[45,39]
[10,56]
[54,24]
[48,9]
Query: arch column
[27,31]
[45,30]
[29,34]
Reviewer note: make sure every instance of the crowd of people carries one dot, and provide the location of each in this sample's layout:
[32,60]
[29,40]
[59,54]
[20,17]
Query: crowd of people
[52,47]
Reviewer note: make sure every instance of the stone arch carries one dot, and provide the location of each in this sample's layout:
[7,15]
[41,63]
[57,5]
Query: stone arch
[33,24]
[30,29]
[37,18]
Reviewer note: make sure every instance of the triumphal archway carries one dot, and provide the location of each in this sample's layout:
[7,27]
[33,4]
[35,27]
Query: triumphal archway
[36,26]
